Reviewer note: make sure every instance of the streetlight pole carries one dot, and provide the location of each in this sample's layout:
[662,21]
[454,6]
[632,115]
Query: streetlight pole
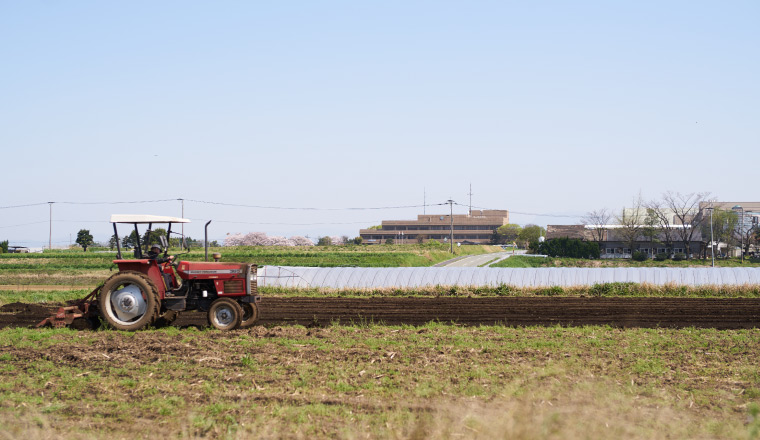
[712,240]
[741,229]
[50,237]
[451,224]
[182,242]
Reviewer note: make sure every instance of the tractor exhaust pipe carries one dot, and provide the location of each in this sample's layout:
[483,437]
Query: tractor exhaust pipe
[205,238]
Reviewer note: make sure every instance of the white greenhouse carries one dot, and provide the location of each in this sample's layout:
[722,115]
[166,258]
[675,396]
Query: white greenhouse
[411,277]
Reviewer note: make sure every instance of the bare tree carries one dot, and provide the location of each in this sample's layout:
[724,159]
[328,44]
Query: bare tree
[688,213]
[598,219]
[631,222]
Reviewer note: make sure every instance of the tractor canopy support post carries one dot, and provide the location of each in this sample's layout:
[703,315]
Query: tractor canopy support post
[118,245]
[205,238]
[139,246]
[147,237]
[168,237]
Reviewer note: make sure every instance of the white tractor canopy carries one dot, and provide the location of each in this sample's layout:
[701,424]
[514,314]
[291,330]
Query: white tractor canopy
[145,219]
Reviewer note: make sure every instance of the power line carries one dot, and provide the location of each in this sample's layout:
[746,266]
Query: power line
[24,206]
[289,224]
[226,204]
[310,209]
[527,213]
[23,224]
[117,203]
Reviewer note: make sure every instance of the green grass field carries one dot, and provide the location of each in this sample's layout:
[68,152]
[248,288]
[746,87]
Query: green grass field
[74,267]
[371,381]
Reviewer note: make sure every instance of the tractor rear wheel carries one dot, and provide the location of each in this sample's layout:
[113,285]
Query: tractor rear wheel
[129,301]
[225,314]
[250,315]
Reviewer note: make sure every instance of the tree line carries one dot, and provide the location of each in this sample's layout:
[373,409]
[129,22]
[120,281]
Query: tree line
[521,236]
[86,240]
[674,218]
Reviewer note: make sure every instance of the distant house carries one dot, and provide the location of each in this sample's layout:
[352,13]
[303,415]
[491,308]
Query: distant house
[614,245]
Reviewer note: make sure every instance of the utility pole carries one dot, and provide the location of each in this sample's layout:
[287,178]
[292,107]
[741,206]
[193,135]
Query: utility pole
[470,199]
[50,237]
[741,229]
[182,243]
[712,240]
[424,200]
[451,223]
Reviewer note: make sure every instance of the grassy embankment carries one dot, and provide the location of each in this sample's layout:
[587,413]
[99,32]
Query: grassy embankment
[435,381]
[606,290]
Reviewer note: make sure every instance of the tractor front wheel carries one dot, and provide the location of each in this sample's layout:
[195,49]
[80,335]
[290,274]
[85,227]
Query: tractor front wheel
[129,301]
[250,315]
[225,314]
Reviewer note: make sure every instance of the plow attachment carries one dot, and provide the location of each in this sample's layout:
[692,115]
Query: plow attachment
[79,316]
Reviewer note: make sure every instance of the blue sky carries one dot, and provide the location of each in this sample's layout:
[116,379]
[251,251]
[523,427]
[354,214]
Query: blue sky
[545,107]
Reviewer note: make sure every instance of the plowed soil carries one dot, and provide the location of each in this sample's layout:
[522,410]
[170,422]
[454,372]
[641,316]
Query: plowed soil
[618,312]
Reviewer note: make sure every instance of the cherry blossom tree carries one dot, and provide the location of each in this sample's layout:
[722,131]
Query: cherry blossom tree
[301,241]
[261,239]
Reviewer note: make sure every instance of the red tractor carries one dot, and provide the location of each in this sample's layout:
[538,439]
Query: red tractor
[145,292]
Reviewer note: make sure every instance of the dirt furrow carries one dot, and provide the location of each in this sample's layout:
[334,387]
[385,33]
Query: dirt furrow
[621,312]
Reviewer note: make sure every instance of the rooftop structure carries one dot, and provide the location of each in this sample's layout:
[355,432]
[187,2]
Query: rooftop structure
[475,227]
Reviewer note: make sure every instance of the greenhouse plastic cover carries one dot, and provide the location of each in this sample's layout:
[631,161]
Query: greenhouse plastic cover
[409,277]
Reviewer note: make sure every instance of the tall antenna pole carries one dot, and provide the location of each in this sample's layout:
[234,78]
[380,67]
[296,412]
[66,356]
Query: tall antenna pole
[470,198]
[712,240]
[451,223]
[50,237]
[424,201]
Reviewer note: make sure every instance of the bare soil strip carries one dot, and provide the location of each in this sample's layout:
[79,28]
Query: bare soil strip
[618,312]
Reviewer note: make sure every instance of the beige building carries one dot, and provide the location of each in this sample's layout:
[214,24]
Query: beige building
[476,227]
[748,211]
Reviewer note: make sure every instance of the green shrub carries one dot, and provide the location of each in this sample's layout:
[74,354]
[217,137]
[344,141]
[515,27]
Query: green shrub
[504,290]
[613,289]
[569,247]
[662,256]
[4,247]
[324,241]
[679,256]
[550,291]
[640,256]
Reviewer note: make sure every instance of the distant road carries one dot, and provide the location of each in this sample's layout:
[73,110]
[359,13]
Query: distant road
[478,260]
